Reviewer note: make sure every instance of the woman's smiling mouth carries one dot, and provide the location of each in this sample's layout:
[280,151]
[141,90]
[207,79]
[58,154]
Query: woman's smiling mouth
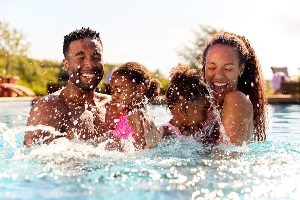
[219,88]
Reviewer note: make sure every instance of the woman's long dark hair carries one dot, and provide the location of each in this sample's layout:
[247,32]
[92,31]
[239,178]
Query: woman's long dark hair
[251,82]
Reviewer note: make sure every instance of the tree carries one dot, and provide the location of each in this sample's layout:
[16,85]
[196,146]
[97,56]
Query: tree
[12,45]
[192,54]
[157,74]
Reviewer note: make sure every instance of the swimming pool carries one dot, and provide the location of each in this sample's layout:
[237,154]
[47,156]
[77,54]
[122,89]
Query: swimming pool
[178,169]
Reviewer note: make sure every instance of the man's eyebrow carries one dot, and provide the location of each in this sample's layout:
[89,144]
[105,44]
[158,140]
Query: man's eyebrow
[79,53]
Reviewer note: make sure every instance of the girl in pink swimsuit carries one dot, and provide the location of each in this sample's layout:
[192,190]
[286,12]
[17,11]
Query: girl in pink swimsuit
[127,115]
[188,100]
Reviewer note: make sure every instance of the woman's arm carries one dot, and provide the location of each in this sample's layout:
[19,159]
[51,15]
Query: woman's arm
[237,118]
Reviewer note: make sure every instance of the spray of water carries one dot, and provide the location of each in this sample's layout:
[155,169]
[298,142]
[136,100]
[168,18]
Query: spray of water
[217,115]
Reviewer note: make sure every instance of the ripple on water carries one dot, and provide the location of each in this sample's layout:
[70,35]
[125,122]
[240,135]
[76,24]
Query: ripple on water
[179,168]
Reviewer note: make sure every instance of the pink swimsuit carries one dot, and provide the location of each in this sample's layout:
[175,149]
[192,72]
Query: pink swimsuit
[123,129]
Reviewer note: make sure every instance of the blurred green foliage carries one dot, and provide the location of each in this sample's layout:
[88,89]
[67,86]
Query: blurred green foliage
[192,53]
[36,74]
[12,45]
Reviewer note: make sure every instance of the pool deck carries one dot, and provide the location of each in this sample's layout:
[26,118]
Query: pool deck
[272,99]
[18,99]
[284,99]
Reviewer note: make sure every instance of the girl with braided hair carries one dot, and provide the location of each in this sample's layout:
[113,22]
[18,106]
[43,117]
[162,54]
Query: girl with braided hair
[188,99]
[132,90]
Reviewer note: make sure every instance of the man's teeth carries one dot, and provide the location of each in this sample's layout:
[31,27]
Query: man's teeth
[88,75]
[220,84]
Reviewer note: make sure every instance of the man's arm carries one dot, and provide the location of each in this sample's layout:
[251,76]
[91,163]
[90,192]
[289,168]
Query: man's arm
[47,116]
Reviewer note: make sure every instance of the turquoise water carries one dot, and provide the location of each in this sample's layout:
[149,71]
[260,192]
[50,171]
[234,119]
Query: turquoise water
[178,169]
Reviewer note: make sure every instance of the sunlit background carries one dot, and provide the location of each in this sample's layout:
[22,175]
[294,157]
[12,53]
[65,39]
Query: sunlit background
[152,32]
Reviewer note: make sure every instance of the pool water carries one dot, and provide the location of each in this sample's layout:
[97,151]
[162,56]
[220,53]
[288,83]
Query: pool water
[176,169]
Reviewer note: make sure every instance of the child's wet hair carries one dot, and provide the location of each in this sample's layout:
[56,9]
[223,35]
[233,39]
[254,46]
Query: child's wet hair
[139,74]
[186,84]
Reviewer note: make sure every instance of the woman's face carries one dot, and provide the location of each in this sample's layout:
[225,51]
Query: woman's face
[222,70]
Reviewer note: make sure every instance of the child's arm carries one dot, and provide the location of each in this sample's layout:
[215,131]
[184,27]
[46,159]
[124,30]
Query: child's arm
[167,132]
[146,133]
[152,134]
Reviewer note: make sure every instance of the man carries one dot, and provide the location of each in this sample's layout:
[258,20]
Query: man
[76,111]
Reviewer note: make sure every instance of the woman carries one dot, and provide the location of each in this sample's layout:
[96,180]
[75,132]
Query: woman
[231,69]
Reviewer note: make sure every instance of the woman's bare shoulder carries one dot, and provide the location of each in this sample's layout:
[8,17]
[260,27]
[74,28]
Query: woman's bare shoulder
[237,117]
[238,99]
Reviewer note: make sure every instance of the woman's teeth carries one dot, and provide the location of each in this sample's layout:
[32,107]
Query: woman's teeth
[220,84]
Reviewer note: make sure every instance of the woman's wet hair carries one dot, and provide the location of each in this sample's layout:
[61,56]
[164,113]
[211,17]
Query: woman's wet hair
[79,34]
[185,84]
[251,82]
[139,74]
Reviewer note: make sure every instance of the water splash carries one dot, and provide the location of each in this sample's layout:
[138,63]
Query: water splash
[217,115]
[181,167]
[7,135]
[88,118]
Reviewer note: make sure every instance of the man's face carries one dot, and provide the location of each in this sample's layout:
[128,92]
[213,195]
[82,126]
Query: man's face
[84,63]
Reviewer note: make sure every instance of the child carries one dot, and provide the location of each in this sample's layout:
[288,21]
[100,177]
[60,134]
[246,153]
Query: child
[188,100]
[127,115]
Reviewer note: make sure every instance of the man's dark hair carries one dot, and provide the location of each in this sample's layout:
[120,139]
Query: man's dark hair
[79,34]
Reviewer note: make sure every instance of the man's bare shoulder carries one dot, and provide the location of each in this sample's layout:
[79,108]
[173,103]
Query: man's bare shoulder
[50,101]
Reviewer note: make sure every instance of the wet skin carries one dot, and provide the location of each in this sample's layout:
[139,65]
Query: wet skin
[77,110]
[127,99]
[188,117]
[222,70]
